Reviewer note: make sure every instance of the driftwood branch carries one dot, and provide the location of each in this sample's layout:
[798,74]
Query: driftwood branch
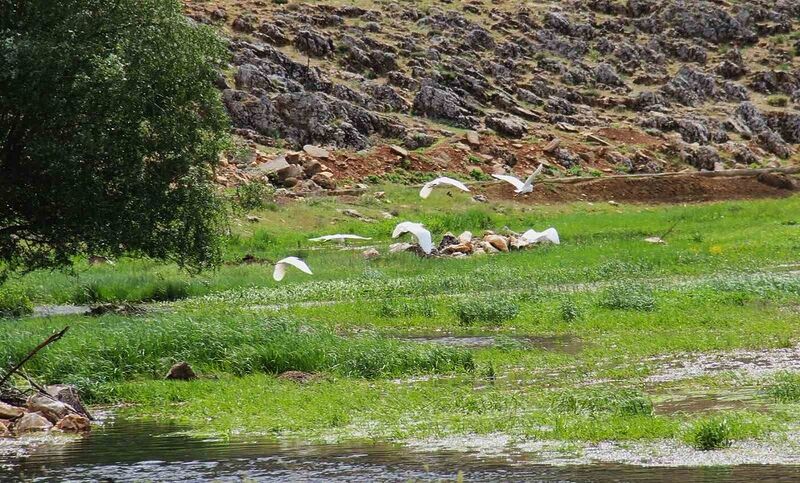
[32,353]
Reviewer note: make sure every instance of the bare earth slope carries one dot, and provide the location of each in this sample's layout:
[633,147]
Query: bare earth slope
[634,86]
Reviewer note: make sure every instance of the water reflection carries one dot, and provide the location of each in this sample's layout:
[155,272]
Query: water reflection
[129,450]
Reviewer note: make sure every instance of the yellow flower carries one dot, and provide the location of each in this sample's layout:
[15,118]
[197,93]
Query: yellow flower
[715,250]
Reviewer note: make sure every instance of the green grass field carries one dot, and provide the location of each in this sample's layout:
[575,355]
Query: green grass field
[580,334]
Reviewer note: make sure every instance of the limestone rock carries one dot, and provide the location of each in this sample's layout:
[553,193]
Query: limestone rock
[465,237]
[32,422]
[399,151]
[497,241]
[325,179]
[74,423]
[507,126]
[399,247]
[370,254]
[181,371]
[68,395]
[48,407]
[316,152]
[8,411]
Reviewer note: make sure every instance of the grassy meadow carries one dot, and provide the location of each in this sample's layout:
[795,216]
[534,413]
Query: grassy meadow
[575,339]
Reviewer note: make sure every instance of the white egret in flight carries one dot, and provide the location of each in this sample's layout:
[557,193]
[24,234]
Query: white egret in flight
[338,237]
[428,187]
[422,236]
[521,188]
[280,267]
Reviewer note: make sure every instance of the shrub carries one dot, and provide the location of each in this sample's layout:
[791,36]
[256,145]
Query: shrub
[14,302]
[406,308]
[625,296]
[168,291]
[710,433]
[626,402]
[254,195]
[491,310]
[786,388]
[778,101]
[570,311]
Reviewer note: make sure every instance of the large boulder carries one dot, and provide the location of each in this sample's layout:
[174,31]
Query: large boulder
[442,103]
[74,423]
[47,406]
[313,43]
[181,371]
[509,126]
[8,411]
[32,422]
[68,395]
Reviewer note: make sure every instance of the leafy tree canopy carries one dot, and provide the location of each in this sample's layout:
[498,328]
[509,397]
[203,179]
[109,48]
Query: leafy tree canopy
[110,127]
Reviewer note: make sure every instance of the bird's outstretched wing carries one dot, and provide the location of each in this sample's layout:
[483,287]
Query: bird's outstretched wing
[510,179]
[280,267]
[403,227]
[426,190]
[422,235]
[428,187]
[452,182]
[338,237]
[532,177]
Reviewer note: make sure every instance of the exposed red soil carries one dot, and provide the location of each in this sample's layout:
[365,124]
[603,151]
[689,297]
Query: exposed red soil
[682,189]
[629,136]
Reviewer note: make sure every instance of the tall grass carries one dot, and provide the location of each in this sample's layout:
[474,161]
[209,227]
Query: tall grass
[111,349]
[626,402]
[492,310]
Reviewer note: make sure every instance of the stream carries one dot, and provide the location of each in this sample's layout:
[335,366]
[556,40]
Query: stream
[124,450]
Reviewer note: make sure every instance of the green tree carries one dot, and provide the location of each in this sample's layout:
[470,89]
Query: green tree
[110,128]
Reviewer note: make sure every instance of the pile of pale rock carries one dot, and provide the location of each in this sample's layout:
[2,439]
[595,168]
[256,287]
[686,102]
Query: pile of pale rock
[466,244]
[302,170]
[59,410]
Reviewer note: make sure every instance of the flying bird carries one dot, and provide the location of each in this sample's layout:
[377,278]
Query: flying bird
[428,187]
[419,233]
[550,235]
[521,188]
[338,237]
[280,267]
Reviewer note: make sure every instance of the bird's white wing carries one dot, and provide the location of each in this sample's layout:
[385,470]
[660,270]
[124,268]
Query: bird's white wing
[403,228]
[279,272]
[280,267]
[549,235]
[452,182]
[510,179]
[426,189]
[423,237]
[338,237]
[532,177]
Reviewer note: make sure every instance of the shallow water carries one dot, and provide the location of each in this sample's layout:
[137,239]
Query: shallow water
[129,450]
[559,343]
[56,310]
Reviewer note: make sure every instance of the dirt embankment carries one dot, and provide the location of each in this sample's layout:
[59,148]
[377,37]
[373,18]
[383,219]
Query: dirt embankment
[676,189]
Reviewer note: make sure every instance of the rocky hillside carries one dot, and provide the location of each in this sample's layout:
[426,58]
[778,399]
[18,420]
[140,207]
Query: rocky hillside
[491,86]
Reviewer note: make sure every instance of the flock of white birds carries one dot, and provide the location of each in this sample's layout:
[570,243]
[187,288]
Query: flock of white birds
[417,230]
